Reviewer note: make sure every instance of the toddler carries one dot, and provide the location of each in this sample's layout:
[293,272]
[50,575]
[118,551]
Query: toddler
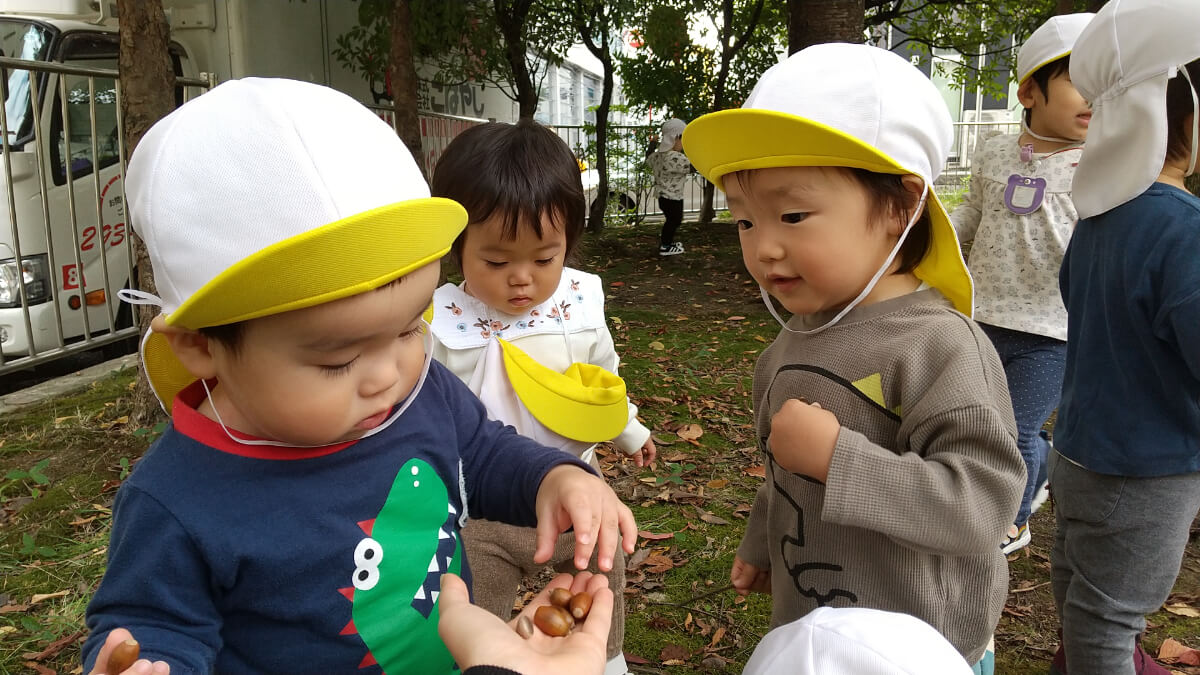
[1018,213]
[527,334]
[299,511]
[1126,467]
[892,463]
[670,167]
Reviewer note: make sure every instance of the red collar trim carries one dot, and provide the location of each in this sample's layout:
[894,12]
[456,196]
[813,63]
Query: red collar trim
[191,423]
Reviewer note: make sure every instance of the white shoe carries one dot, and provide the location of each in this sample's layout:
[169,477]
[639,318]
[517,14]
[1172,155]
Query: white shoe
[1018,538]
[674,249]
[1039,497]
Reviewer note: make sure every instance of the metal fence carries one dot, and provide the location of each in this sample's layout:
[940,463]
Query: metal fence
[437,130]
[631,183]
[65,247]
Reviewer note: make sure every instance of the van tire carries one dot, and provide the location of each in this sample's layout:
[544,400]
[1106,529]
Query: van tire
[625,206]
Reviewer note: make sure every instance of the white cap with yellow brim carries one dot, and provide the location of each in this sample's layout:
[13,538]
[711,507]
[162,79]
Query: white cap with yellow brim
[584,403]
[1050,42]
[843,105]
[268,195]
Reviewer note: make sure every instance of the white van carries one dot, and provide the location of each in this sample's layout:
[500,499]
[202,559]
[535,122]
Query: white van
[63,232]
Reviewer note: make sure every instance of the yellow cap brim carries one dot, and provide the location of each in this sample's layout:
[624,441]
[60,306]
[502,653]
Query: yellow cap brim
[584,403]
[1038,67]
[344,258]
[728,141]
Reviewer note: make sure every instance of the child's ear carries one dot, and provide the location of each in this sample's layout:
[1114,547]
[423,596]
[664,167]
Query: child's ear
[190,347]
[1025,92]
[913,185]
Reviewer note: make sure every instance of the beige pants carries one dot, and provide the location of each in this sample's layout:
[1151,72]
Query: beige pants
[501,555]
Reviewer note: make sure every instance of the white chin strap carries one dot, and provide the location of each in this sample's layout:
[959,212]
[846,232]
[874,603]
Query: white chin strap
[870,284]
[1195,122]
[1048,139]
[386,423]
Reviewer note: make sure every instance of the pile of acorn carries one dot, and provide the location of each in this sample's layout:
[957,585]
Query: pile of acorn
[559,617]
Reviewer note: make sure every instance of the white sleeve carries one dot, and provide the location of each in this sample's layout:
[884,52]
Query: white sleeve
[604,354]
[967,215]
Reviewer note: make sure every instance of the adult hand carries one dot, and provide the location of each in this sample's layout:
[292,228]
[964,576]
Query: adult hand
[476,637]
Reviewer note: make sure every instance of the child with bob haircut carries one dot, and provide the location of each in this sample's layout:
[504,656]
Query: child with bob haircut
[892,463]
[299,512]
[1126,471]
[528,335]
[1019,214]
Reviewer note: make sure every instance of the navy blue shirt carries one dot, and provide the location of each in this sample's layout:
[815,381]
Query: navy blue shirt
[234,558]
[1131,392]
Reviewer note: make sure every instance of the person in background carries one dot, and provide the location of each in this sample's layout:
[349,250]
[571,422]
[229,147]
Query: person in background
[1126,466]
[671,168]
[1018,213]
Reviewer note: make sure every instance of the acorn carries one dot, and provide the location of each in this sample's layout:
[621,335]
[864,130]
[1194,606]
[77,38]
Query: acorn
[580,605]
[525,627]
[560,597]
[123,656]
[553,621]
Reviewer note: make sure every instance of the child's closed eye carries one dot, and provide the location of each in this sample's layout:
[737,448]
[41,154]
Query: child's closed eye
[793,218]
[339,368]
[544,261]
[495,263]
[412,332]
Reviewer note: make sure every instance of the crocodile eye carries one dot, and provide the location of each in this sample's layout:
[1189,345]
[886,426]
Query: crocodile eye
[367,555]
[365,578]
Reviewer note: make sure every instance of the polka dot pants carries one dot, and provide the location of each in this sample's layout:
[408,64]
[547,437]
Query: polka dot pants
[1034,367]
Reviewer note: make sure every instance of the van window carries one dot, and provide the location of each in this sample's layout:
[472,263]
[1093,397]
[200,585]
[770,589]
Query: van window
[91,51]
[21,40]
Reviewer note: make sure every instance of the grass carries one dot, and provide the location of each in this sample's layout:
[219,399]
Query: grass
[689,329]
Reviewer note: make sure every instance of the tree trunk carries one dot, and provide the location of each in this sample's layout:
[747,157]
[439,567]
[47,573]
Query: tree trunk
[600,204]
[403,74]
[812,22]
[511,18]
[730,46]
[147,94]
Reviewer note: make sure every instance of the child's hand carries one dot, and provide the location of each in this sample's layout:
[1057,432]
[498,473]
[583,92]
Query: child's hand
[475,636]
[645,454]
[747,578]
[571,497]
[140,667]
[802,438]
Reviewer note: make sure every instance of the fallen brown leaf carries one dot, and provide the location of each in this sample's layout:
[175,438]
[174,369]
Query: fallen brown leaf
[1171,650]
[39,597]
[1180,609]
[674,653]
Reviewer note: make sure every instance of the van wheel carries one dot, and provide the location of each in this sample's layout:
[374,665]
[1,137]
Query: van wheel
[625,206]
